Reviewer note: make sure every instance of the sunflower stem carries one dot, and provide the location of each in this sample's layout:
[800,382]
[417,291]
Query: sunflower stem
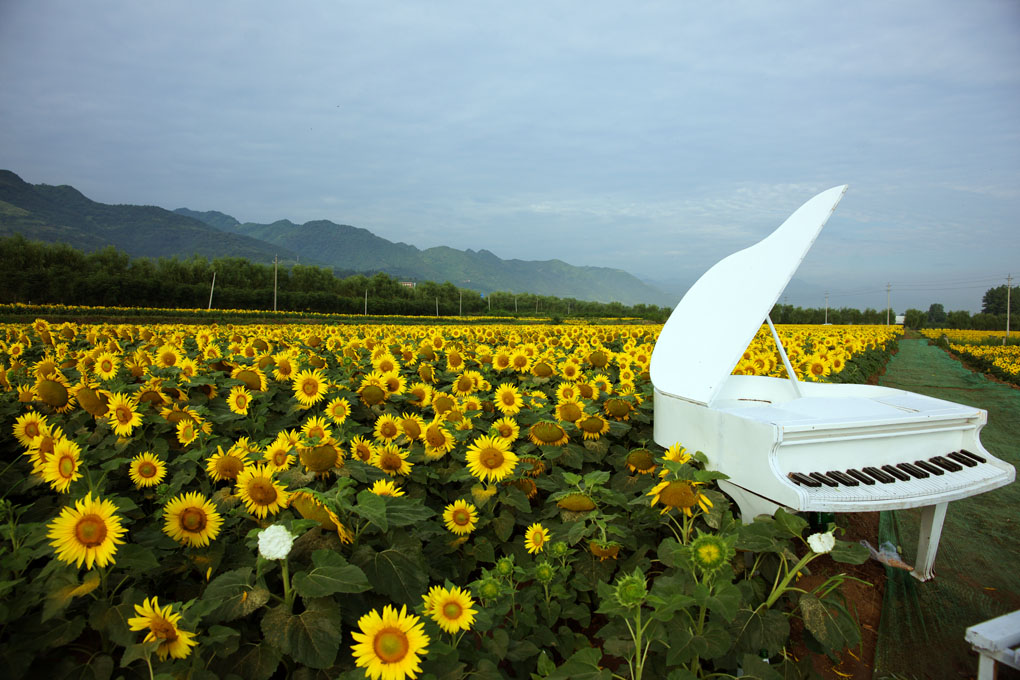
[778,590]
[288,596]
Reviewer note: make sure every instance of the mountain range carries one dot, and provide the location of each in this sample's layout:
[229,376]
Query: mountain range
[63,214]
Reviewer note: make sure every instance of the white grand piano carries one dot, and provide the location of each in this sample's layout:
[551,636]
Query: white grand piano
[806,446]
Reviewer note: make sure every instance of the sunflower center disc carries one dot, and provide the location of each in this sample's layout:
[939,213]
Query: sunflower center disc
[146,470]
[491,458]
[461,517]
[319,459]
[90,530]
[435,437]
[309,388]
[123,415]
[66,467]
[262,492]
[390,461]
[193,519]
[391,645]
[388,430]
[163,630]
[678,495]
[452,611]
[229,467]
[411,429]
[571,411]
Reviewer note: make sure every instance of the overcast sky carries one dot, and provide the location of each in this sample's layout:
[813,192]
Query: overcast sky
[651,137]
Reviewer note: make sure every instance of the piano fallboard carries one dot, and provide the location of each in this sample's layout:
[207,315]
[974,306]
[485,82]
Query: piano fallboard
[767,433]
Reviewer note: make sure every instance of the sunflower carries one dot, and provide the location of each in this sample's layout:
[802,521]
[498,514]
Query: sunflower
[677,453]
[490,458]
[451,609]
[681,494]
[229,465]
[238,400]
[390,645]
[146,470]
[253,378]
[604,550]
[62,466]
[569,411]
[29,426]
[309,387]
[167,356]
[362,449]
[460,517]
[53,390]
[323,457]
[506,428]
[384,487]
[438,440]
[641,461]
[187,432]
[338,410]
[618,408]
[278,455]
[535,538]
[87,534]
[508,399]
[122,415]
[593,426]
[547,433]
[316,428]
[191,519]
[392,460]
[41,448]
[420,394]
[283,368]
[106,366]
[412,426]
[372,389]
[162,627]
[387,428]
[309,507]
[260,492]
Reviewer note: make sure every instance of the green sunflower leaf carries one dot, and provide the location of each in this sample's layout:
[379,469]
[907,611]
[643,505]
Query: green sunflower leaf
[311,638]
[332,574]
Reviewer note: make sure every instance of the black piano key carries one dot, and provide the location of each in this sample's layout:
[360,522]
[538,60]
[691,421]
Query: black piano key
[973,456]
[846,480]
[946,464]
[818,476]
[898,474]
[861,477]
[879,475]
[803,479]
[928,467]
[913,470]
[962,459]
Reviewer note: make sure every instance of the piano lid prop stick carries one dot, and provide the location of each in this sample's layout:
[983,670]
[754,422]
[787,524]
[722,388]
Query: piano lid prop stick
[786,360]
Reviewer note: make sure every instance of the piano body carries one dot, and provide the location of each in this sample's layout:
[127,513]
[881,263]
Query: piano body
[806,446]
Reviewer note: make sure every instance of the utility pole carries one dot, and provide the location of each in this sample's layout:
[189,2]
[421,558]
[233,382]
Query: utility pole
[437,305]
[1009,287]
[826,306]
[515,304]
[211,288]
[460,306]
[276,262]
[888,287]
[366,302]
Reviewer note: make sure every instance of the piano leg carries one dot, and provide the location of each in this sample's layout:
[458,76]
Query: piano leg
[932,518]
[750,504]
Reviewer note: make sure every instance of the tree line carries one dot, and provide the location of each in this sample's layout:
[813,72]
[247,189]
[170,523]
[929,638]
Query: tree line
[43,273]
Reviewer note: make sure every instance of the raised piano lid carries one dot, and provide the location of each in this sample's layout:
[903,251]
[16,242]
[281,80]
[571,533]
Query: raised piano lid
[718,317]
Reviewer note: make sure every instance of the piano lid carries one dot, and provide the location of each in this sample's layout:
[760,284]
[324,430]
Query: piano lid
[718,317]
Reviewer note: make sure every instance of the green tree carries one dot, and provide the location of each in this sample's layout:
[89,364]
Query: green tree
[936,315]
[914,318]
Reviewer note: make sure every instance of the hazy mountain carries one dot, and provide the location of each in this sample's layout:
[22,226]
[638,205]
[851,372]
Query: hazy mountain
[63,214]
[346,247]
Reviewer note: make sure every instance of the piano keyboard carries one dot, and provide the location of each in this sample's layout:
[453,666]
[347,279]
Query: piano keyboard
[935,475]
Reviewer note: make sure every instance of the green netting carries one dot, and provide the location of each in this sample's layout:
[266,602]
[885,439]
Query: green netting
[977,573]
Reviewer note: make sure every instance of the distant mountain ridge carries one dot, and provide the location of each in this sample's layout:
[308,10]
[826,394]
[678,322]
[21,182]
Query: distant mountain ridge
[63,214]
[354,248]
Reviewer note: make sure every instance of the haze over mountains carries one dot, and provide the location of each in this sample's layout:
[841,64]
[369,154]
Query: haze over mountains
[63,214]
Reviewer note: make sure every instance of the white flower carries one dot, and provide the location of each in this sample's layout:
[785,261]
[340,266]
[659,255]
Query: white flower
[275,542]
[822,543]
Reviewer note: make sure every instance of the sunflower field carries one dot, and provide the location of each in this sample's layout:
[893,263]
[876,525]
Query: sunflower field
[389,501]
[989,351]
